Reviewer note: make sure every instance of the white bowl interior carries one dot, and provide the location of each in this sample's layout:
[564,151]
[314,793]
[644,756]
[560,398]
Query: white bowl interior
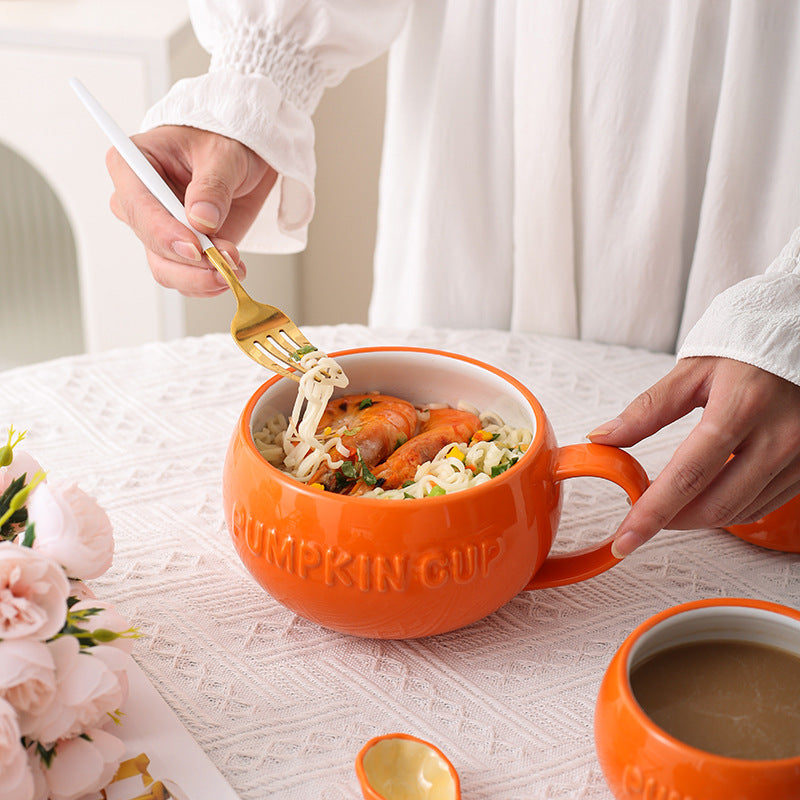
[418,377]
[718,623]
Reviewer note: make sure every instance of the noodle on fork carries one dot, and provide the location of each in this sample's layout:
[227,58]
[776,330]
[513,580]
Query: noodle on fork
[303,452]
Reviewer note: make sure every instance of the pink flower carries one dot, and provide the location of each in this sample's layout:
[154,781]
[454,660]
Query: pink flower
[81,590]
[27,675]
[72,529]
[117,661]
[37,766]
[33,594]
[88,687]
[23,464]
[81,767]
[16,780]
[106,620]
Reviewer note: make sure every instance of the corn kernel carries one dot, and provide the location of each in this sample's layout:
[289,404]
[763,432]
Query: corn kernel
[317,486]
[455,452]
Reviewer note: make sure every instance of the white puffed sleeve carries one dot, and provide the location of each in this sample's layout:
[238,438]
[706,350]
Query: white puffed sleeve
[757,320]
[270,63]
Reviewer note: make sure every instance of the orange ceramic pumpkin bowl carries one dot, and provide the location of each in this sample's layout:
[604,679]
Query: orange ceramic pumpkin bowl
[778,530]
[409,568]
[639,759]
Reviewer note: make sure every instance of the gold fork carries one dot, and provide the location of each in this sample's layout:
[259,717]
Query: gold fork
[263,332]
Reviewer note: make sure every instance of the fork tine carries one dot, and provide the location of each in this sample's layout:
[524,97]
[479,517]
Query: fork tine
[281,340]
[295,335]
[258,353]
[281,354]
[262,331]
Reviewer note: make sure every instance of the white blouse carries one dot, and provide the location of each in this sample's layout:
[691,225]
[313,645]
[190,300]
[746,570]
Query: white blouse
[600,169]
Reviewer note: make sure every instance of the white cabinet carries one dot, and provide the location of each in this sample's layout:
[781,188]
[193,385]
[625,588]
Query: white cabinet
[127,52]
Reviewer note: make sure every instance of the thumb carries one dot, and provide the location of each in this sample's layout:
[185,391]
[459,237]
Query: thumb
[210,192]
[674,396]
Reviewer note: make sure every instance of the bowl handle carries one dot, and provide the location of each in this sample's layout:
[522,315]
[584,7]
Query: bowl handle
[596,461]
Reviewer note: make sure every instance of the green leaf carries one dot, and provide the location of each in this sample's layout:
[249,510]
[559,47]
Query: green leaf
[83,614]
[501,468]
[30,535]
[12,519]
[365,403]
[349,470]
[341,480]
[366,475]
[17,501]
[45,754]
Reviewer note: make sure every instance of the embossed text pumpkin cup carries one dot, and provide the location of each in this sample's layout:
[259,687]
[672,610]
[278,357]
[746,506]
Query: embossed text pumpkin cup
[388,568]
[701,702]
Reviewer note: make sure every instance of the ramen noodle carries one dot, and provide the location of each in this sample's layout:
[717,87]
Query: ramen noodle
[296,446]
[292,442]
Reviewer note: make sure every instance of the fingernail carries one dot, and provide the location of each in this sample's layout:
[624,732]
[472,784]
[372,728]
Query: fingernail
[607,428]
[239,268]
[625,544]
[187,250]
[204,213]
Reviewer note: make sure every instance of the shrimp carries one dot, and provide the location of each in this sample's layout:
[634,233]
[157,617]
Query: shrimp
[371,427]
[444,426]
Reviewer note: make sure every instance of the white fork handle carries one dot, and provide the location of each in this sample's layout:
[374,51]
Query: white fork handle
[137,161]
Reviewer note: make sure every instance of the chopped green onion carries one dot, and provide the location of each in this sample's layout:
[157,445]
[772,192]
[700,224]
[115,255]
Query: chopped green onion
[348,469]
[365,403]
[499,469]
[436,491]
[301,351]
[366,475]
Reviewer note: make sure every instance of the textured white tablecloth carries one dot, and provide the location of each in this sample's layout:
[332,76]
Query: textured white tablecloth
[282,706]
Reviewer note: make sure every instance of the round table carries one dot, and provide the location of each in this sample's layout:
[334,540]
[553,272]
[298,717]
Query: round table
[282,706]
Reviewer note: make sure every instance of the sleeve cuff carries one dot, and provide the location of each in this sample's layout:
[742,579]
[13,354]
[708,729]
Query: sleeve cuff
[250,109]
[756,321]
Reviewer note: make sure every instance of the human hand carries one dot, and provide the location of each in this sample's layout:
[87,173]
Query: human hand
[748,413]
[222,184]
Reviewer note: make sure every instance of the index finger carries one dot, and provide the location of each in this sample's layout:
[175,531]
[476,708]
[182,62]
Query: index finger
[134,204]
[692,468]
